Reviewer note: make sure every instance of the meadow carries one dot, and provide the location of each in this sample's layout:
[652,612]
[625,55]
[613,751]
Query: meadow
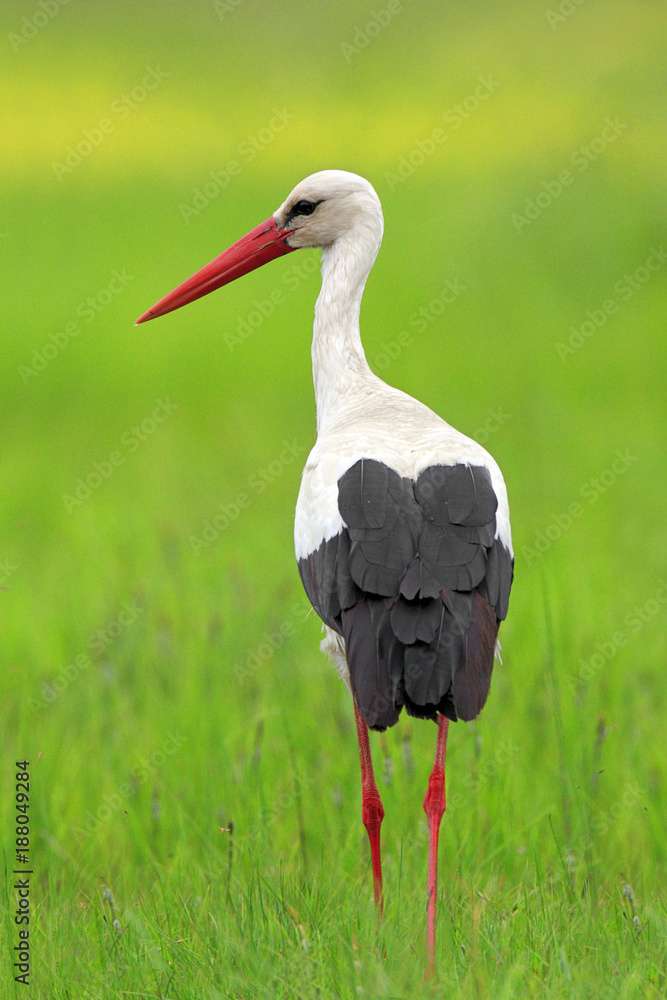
[194,793]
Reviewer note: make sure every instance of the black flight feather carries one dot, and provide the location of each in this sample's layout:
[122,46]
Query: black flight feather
[417,584]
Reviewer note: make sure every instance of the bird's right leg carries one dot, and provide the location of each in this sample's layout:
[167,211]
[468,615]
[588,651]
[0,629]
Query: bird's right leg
[372,812]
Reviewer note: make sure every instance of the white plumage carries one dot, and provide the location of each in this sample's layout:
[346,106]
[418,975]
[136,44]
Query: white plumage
[359,415]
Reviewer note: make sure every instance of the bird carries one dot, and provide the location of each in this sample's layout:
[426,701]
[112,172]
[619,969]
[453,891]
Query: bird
[402,528]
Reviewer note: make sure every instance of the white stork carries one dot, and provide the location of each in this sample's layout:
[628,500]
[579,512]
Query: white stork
[402,526]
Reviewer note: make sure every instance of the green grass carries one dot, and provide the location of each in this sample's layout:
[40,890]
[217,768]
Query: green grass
[195,791]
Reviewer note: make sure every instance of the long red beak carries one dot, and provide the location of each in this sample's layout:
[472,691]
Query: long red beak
[262,244]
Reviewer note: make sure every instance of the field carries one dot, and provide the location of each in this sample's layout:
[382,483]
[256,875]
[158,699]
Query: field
[194,793]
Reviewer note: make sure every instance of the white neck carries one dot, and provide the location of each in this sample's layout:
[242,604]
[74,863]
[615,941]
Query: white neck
[340,368]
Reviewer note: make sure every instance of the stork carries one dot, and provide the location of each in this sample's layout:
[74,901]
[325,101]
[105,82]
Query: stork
[402,529]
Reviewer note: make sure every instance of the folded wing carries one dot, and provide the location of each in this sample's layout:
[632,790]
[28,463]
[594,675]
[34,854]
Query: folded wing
[417,583]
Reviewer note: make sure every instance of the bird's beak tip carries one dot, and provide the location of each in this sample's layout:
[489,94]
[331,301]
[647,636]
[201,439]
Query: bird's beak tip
[144,318]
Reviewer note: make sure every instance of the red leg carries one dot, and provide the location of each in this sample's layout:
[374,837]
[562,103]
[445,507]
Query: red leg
[372,812]
[434,807]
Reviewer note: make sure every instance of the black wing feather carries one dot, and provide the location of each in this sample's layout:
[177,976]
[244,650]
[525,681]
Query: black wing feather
[417,584]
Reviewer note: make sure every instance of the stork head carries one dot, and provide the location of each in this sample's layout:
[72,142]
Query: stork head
[324,209]
[328,206]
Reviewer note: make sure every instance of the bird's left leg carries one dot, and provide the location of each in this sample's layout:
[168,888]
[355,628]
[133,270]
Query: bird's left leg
[372,811]
[434,807]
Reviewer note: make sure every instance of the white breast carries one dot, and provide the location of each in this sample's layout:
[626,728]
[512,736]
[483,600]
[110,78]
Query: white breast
[391,427]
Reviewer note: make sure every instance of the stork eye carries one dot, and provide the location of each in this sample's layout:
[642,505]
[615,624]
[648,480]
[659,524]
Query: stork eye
[303,208]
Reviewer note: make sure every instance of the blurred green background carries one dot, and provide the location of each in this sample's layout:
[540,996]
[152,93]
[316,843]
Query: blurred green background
[195,802]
